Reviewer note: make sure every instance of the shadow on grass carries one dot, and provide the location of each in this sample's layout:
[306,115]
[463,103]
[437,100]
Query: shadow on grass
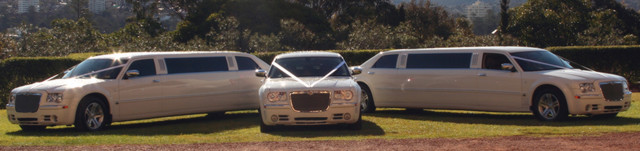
[368,129]
[195,125]
[205,125]
[518,119]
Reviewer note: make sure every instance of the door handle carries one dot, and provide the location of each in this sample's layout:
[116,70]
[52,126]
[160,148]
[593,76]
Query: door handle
[482,74]
[156,81]
[370,72]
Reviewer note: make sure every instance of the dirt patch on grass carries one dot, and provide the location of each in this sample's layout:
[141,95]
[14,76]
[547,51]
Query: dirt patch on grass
[609,141]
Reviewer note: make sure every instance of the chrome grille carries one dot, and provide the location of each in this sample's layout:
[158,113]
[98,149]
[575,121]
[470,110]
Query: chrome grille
[310,101]
[612,91]
[27,102]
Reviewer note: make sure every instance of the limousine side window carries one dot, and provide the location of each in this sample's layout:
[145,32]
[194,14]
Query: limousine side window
[199,64]
[439,60]
[246,63]
[387,61]
[146,67]
[494,61]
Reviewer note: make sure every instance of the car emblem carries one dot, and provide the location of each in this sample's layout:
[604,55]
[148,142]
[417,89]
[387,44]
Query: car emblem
[309,92]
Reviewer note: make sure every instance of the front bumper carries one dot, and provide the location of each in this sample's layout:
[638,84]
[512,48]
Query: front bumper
[47,115]
[344,113]
[595,105]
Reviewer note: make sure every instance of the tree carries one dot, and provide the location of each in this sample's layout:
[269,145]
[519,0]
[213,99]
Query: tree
[80,8]
[504,18]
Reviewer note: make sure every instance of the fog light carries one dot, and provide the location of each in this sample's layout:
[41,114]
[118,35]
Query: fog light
[274,118]
[347,116]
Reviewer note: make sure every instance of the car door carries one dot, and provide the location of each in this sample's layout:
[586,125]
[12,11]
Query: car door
[197,84]
[437,80]
[140,95]
[246,83]
[498,89]
[382,80]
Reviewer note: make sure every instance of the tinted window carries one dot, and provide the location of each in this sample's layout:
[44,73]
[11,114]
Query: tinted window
[246,63]
[145,67]
[388,61]
[97,68]
[200,64]
[539,60]
[309,67]
[494,61]
[439,60]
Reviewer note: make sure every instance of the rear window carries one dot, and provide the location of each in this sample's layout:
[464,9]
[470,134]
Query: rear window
[246,63]
[387,61]
[194,65]
[439,60]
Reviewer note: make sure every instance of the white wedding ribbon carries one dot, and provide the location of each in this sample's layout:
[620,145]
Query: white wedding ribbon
[538,62]
[302,82]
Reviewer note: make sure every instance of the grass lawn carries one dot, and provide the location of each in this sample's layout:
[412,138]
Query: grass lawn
[242,126]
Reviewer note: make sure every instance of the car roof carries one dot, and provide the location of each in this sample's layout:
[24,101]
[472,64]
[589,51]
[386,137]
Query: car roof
[308,54]
[175,53]
[470,49]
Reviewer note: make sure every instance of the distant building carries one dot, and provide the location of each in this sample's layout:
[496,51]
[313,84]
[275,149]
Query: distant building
[25,5]
[478,10]
[97,6]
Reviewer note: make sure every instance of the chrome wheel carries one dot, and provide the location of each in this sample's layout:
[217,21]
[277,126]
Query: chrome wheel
[548,106]
[364,100]
[94,116]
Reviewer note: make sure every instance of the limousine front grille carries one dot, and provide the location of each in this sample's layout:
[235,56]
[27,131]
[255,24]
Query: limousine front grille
[27,102]
[310,101]
[612,91]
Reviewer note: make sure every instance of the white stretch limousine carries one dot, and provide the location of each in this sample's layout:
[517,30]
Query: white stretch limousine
[309,88]
[129,86]
[510,79]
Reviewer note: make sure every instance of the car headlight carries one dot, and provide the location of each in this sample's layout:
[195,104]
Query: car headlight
[587,87]
[54,97]
[343,95]
[12,98]
[276,96]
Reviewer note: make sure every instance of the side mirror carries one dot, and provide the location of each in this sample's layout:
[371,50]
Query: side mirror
[356,70]
[132,73]
[508,67]
[261,73]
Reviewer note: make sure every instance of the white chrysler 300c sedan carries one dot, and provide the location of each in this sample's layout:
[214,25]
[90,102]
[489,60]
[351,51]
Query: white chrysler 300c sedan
[129,86]
[509,79]
[309,88]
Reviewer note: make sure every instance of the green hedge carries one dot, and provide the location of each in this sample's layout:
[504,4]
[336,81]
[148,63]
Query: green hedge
[352,57]
[620,60]
[20,71]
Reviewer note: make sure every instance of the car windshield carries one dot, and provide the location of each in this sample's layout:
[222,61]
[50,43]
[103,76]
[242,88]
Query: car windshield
[539,60]
[309,67]
[97,68]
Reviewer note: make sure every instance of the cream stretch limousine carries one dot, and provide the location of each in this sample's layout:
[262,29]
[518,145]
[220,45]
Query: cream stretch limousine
[510,79]
[129,86]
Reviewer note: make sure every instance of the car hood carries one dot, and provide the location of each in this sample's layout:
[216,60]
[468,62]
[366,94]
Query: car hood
[575,74]
[328,83]
[57,84]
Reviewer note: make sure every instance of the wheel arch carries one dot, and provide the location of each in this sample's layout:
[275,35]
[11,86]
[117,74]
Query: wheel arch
[103,99]
[544,87]
[365,86]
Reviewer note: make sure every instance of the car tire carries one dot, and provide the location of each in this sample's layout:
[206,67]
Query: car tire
[357,125]
[550,105]
[366,100]
[32,128]
[92,114]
